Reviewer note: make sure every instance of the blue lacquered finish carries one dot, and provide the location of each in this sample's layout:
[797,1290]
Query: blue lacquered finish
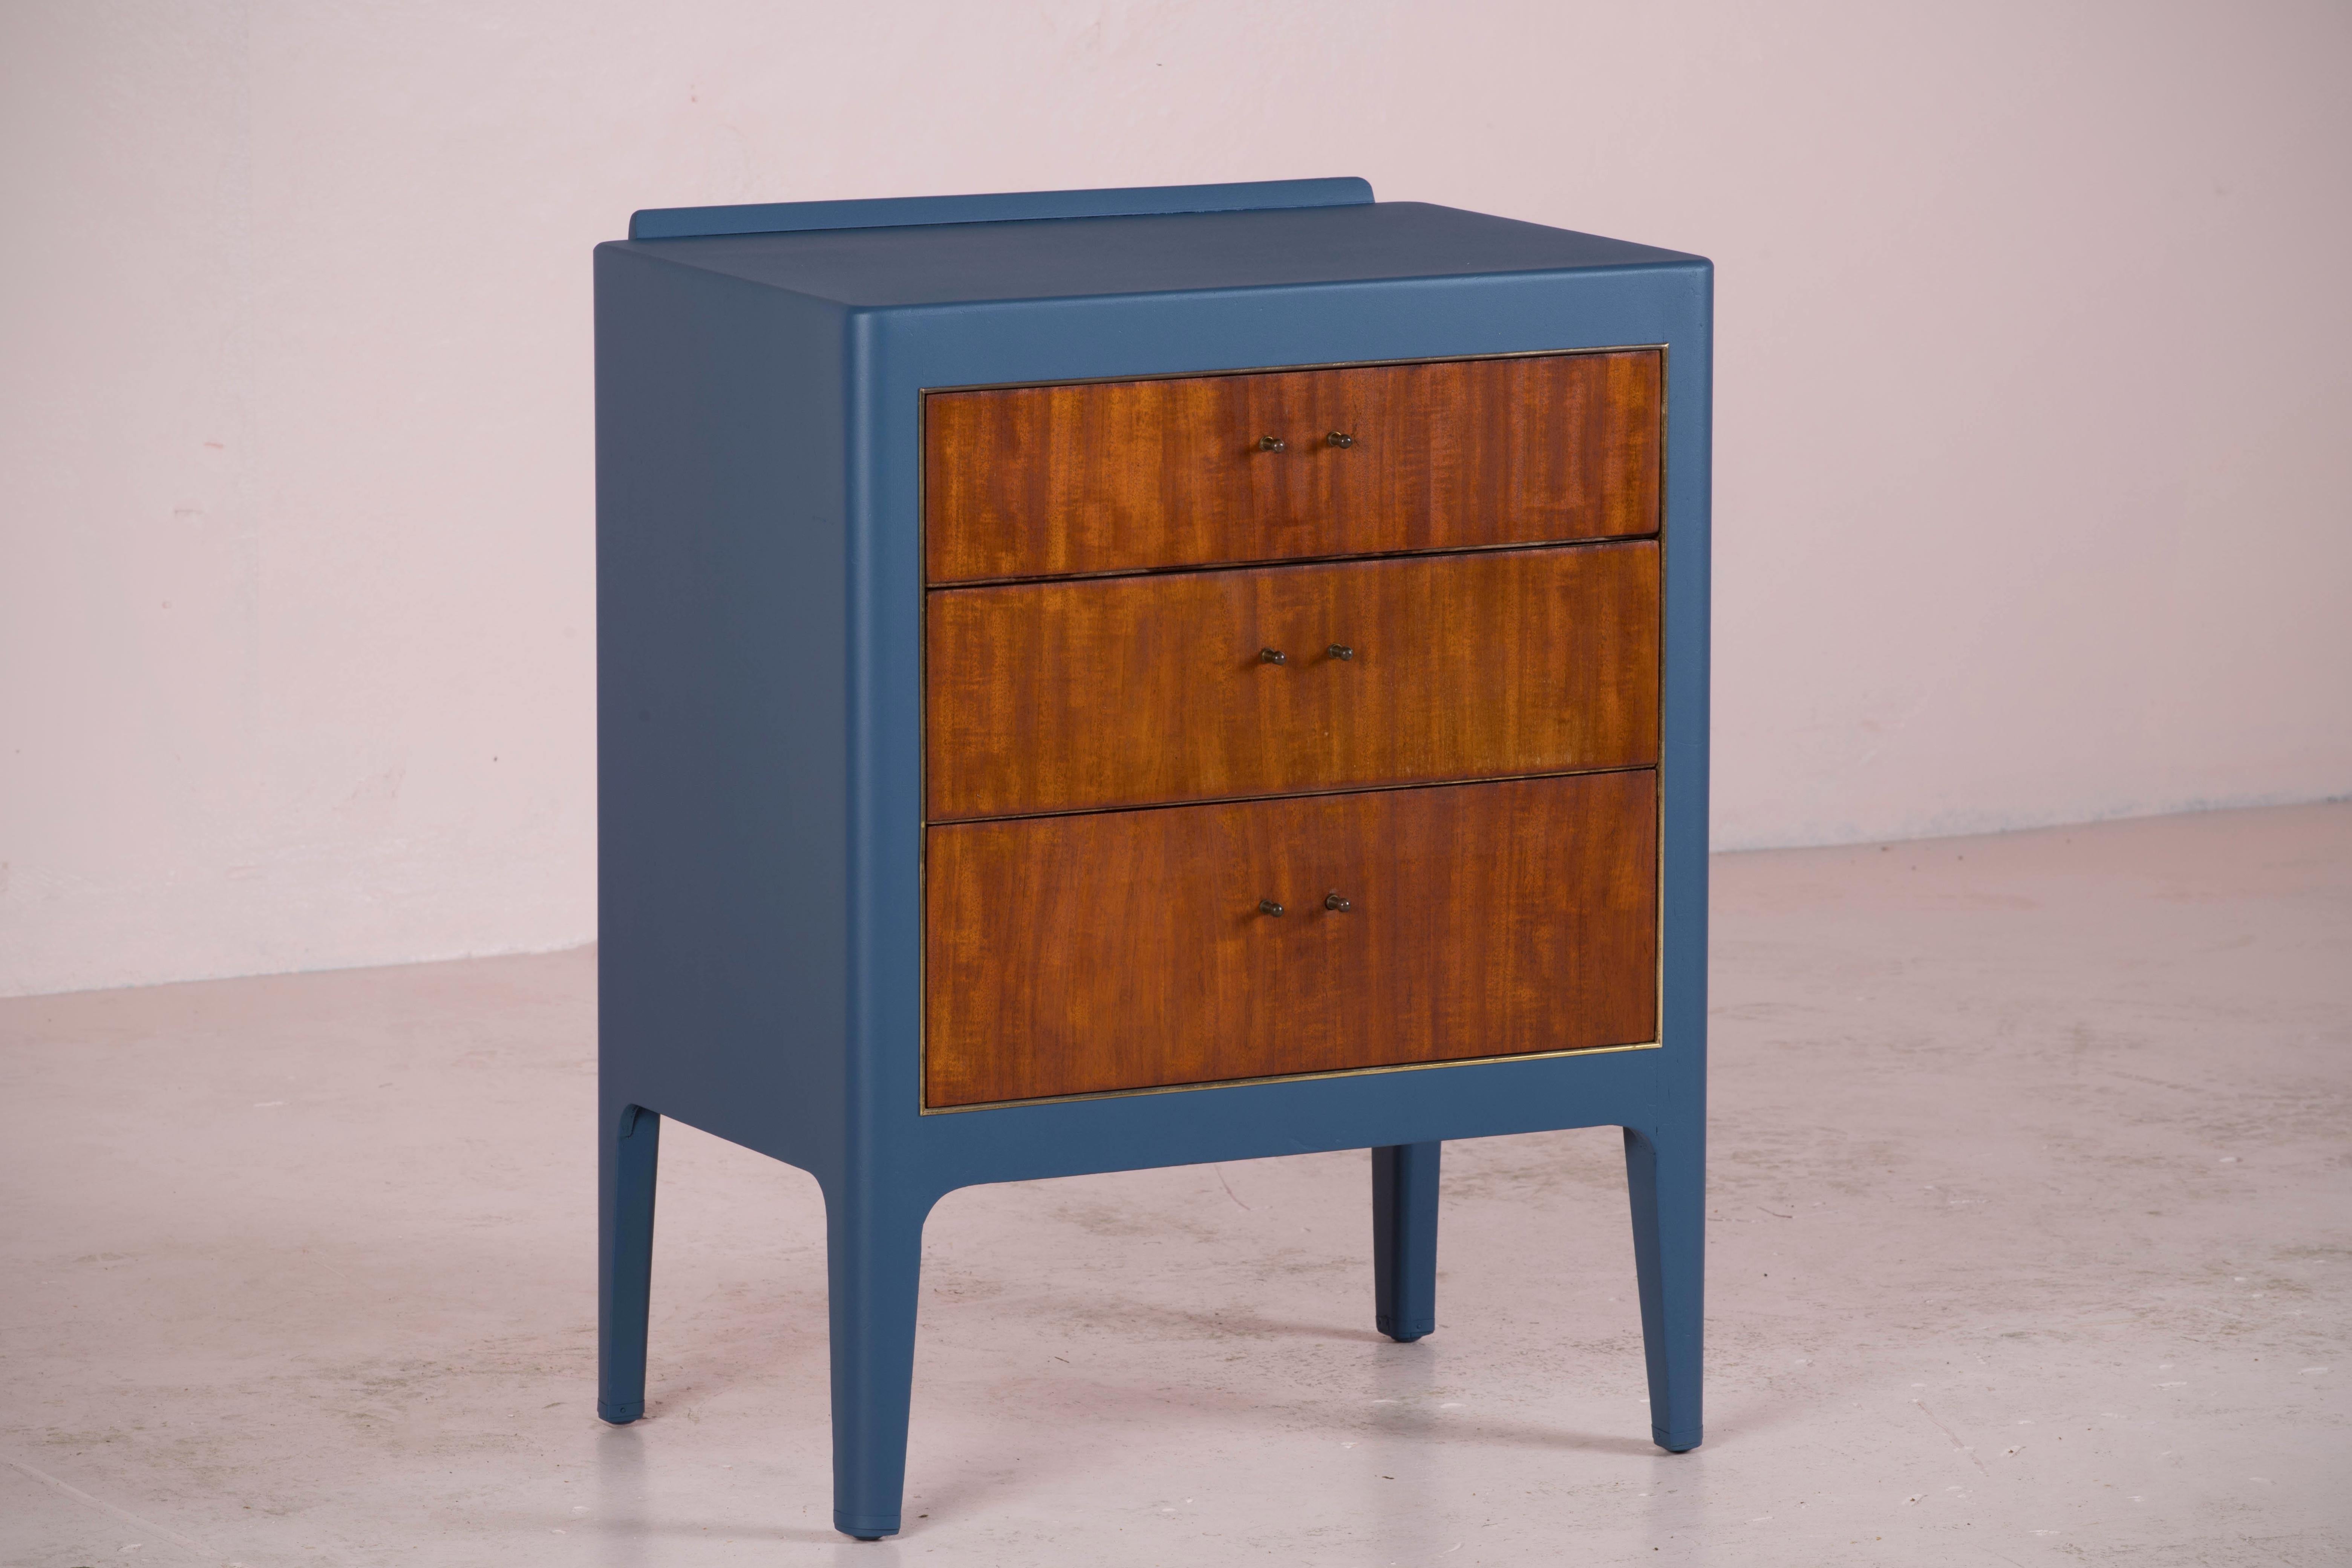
[1405,1240]
[759,744]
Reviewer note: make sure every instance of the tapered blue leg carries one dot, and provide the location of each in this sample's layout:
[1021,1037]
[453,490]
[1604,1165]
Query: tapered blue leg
[1666,1172]
[1404,1239]
[873,1250]
[630,1148]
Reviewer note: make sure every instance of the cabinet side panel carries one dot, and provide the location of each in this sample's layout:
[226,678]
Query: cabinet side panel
[721,704]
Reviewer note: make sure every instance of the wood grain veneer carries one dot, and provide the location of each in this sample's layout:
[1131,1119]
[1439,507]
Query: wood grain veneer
[1126,950]
[1126,475]
[1134,691]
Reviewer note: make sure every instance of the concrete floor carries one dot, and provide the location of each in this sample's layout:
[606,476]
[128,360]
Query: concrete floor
[2032,1243]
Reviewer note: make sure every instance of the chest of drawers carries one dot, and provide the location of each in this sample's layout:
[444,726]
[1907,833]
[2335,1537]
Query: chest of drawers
[1098,680]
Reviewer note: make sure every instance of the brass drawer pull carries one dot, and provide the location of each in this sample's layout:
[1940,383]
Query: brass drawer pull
[1339,439]
[1271,656]
[1336,905]
[1268,907]
[1272,444]
[1340,650]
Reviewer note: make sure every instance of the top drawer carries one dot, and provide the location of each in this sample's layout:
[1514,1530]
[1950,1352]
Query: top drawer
[1049,482]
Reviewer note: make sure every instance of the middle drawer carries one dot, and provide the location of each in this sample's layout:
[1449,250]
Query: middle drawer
[1048,697]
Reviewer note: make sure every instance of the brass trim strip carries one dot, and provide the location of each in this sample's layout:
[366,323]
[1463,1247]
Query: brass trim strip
[1290,1078]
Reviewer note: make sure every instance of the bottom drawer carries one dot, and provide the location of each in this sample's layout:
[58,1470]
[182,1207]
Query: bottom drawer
[1128,950]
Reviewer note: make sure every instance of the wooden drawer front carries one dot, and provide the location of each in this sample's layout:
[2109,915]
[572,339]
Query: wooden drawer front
[1124,476]
[1135,690]
[1126,950]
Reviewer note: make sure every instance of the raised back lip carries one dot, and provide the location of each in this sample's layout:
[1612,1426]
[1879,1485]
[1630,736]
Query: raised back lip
[1012,207]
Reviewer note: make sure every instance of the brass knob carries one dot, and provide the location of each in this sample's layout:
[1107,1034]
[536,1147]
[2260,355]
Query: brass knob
[1339,438]
[1272,444]
[1268,907]
[1337,905]
[1340,650]
[1271,656]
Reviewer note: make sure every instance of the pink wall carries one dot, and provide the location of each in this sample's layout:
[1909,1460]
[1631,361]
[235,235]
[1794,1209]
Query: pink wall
[2033,408]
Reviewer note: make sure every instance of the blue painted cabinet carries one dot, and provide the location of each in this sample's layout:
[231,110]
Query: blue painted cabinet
[810,891]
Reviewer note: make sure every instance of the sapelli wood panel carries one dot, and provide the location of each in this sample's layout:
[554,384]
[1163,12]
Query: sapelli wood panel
[1137,690]
[1128,950]
[1128,475]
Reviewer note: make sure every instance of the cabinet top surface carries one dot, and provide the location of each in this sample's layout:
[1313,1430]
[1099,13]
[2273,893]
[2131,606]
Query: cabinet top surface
[975,263]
